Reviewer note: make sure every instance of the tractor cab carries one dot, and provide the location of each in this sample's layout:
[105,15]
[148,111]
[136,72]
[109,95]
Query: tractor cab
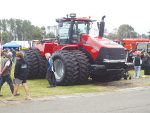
[145,46]
[33,43]
[119,42]
[71,29]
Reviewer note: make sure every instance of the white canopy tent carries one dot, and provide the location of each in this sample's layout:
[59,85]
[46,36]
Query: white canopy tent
[22,43]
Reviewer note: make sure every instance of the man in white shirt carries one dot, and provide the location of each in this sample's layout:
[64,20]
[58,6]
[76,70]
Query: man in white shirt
[6,65]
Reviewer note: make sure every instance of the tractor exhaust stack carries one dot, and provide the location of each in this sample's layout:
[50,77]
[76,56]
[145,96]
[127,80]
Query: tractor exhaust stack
[101,26]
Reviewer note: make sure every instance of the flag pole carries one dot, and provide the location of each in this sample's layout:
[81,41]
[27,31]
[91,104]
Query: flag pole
[1,46]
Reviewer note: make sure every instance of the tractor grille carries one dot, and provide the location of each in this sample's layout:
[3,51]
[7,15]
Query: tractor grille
[111,54]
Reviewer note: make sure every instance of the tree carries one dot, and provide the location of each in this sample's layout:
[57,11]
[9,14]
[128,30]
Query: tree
[49,28]
[6,37]
[12,27]
[134,34]
[18,29]
[105,32]
[144,36]
[149,34]
[52,31]
[0,26]
[124,31]
[50,35]
[38,34]
[4,25]
[55,30]
[96,31]
[44,31]
[25,29]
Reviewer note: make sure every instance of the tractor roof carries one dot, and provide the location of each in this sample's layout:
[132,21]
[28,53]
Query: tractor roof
[77,19]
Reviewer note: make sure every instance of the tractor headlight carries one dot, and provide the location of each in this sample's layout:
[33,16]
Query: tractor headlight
[113,61]
[105,60]
[72,15]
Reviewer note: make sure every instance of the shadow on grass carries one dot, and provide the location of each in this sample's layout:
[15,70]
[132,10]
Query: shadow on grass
[117,84]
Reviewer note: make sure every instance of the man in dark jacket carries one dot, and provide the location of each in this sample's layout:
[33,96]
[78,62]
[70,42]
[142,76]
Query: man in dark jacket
[50,71]
[5,72]
[20,75]
[146,63]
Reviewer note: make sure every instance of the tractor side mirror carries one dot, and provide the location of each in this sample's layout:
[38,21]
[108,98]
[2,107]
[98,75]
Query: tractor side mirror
[90,25]
[60,23]
[98,25]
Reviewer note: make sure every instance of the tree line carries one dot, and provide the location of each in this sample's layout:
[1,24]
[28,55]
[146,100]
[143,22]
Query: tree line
[124,31]
[16,29]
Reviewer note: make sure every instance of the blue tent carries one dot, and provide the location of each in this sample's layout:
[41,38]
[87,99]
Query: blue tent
[10,45]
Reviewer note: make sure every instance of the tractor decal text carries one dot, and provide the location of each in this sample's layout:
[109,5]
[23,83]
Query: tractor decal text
[87,43]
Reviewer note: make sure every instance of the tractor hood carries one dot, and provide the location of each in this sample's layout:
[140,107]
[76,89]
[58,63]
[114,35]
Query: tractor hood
[96,44]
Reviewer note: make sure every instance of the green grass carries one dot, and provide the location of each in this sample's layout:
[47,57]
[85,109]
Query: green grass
[38,88]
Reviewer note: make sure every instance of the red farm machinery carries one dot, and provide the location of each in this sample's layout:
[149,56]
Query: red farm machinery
[77,55]
[132,45]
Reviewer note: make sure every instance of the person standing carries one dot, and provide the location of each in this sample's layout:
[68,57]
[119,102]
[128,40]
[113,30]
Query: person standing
[13,55]
[146,63]
[20,75]
[50,71]
[4,52]
[6,65]
[137,64]
[17,50]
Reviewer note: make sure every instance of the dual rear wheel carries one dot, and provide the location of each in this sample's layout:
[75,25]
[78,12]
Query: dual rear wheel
[71,67]
[36,63]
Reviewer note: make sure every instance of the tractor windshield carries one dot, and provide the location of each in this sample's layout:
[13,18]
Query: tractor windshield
[63,33]
[142,46]
[79,27]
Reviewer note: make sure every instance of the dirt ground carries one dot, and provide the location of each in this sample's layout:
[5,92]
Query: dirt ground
[126,83]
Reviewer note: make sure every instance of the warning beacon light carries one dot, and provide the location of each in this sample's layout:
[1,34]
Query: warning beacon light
[72,15]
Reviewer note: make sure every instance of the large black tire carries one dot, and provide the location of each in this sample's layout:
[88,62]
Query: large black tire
[40,63]
[66,67]
[35,63]
[83,63]
[119,76]
[28,58]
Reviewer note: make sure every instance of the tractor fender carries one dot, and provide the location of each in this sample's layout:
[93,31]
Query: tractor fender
[70,47]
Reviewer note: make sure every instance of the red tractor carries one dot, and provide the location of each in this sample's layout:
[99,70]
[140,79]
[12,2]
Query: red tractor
[77,55]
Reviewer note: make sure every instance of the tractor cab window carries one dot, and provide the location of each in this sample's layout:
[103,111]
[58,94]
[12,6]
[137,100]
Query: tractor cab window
[63,33]
[34,43]
[142,46]
[80,27]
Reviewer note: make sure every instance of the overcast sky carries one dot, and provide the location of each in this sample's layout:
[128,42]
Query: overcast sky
[44,12]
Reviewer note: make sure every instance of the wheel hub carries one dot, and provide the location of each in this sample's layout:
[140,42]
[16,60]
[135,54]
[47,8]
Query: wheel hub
[59,68]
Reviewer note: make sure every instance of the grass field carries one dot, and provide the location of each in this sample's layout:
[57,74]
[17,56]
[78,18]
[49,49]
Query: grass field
[38,88]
